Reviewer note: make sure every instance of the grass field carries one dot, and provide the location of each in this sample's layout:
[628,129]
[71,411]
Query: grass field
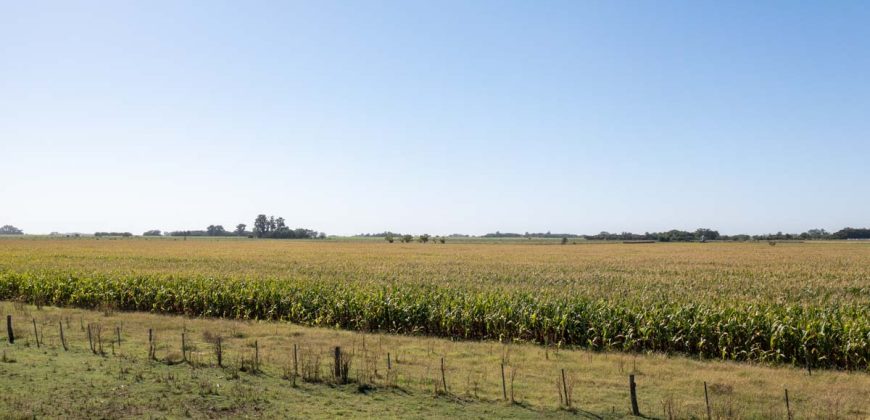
[123,381]
[803,304]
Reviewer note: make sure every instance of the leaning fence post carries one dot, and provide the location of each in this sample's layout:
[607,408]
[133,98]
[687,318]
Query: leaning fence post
[9,329]
[35,332]
[707,401]
[503,387]
[150,344]
[443,377]
[62,340]
[633,389]
[389,363]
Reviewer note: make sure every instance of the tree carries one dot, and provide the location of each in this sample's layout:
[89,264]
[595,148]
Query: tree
[276,228]
[407,238]
[852,233]
[261,225]
[424,238]
[153,232]
[240,229]
[389,238]
[442,240]
[10,230]
[564,240]
[215,230]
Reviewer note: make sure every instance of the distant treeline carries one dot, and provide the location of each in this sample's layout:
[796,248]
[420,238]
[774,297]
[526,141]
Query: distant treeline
[702,234]
[852,233]
[124,234]
[498,234]
[674,235]
[388,234]
[264,227]
[275,227]
[211,230]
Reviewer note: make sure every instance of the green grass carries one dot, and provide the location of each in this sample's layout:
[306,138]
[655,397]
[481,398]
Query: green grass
[123,382]
[57,384]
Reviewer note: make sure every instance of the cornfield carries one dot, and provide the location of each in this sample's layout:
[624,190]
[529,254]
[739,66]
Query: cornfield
[801,304]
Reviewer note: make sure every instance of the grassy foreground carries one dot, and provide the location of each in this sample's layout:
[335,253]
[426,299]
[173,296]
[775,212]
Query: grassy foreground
[799,304]
[123,382]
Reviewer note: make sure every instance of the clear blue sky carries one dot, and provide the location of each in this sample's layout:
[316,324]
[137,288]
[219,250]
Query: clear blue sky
[435,116]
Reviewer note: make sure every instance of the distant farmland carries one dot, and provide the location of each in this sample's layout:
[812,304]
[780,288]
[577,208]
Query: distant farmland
[796,303]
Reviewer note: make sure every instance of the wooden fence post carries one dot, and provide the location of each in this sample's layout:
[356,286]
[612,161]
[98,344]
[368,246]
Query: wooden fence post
[295,365]
[503,386]
[150,344]
[183,348]
[9,329]
[787,407]
[220,352]
[256,356]
[62,339]
[633,389]
[35,332]
[99,338]
[389,362]
[337,365]
[565,389]
[707,401]
[443,377]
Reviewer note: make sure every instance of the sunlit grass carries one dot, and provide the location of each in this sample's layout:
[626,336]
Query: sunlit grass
[63,382]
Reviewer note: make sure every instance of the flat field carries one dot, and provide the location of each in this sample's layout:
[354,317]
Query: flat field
[804,304]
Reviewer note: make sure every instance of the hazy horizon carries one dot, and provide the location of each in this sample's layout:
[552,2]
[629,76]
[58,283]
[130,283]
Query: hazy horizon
[439,118]
[249,226]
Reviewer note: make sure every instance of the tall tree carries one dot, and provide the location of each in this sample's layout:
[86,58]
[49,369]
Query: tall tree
[240,229]
[215,230]
[261,225]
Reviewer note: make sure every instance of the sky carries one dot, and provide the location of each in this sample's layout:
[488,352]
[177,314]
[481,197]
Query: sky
[435,116]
